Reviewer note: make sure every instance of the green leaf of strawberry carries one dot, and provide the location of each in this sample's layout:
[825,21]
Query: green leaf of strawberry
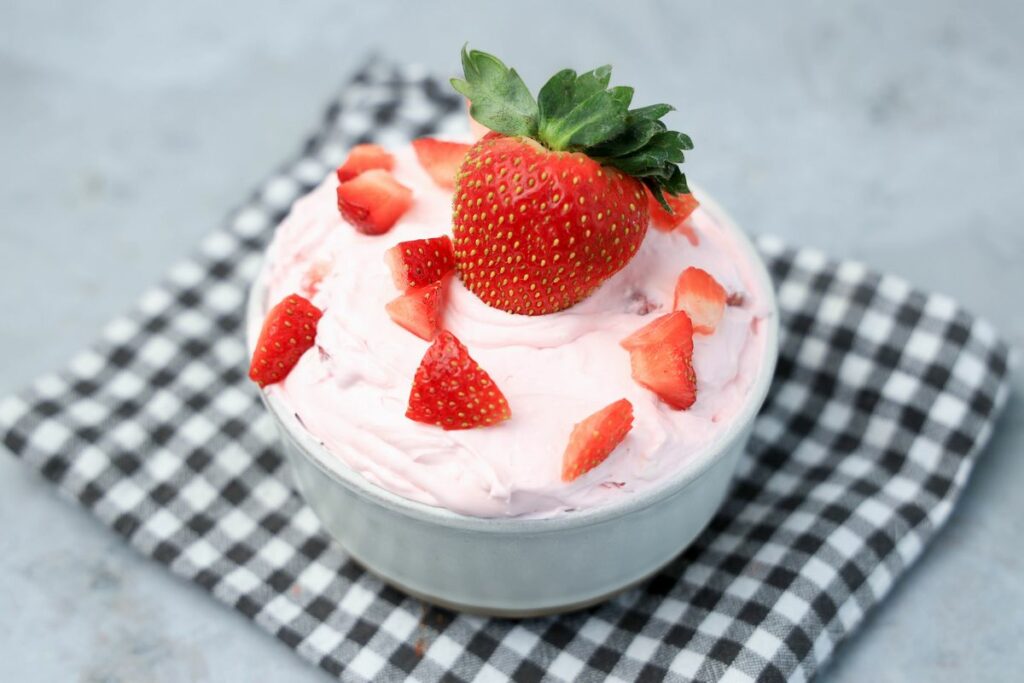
[498,97]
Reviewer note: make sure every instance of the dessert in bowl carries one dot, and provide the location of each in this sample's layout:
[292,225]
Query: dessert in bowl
[508,379]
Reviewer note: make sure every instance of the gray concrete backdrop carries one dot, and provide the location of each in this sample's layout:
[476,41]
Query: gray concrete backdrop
[893,134]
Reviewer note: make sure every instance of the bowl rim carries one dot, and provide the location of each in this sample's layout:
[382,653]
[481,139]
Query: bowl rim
[702,461]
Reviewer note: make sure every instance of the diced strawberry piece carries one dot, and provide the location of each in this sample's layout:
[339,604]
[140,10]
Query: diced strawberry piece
[594,439]
[682,206]
[373,201]
[419,262]
[661,357]
[363,158]
[703,299]
[288,332]
[419,309]
[440,158]
[451,391]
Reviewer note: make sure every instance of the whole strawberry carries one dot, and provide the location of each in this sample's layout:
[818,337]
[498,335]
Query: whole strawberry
[552,203]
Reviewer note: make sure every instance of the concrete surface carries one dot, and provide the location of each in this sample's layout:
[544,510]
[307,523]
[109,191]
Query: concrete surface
[894,134]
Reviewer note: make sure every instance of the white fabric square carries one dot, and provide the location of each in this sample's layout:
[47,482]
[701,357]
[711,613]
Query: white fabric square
[894,288]
[875,326]
[282,610]
[90,463]
[444,651]
[901,387]
[163,406]
[125,495]
[87,412]
[87,363]
[686,664]
[764,643]
[162,465]
[154,301]
[520,640]
[125,385]
[324,639]
[367,663]
[276,552]
[923,345]
[157,352]
[642,648]
[218,245]
[201,554]
[187,273]
[734,675]
[565,667]
[948,410]
[242,581]
[198,493]
[357,599]
[790,606]
[120,330]
[236,525]
[163,524]
[251,221]
[50,436]
[315,578]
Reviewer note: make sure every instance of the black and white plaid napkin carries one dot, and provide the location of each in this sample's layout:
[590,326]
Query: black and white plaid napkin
[883,398]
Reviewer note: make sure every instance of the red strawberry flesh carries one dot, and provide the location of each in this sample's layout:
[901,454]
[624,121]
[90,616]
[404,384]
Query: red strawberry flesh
[420,262]
[699,294]
[537,231]
[682,206]
[364,158]
[661,358]
[594,439]
[440,158]
[419,310]
[450,390]
[289,330]
[373,201]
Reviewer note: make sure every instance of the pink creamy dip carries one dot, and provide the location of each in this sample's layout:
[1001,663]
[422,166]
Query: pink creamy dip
[351,391]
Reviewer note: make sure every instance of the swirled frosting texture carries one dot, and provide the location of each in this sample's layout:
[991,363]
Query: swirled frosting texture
[351,390]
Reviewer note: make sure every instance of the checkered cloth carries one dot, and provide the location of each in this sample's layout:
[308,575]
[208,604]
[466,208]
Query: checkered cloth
[883,398]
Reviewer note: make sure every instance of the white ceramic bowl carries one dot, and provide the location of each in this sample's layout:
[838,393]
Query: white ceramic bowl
[523,567]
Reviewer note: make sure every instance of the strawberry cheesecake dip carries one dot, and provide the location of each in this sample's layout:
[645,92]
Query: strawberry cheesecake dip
[539,322]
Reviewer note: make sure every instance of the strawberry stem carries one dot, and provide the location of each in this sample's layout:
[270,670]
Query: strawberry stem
[579,113]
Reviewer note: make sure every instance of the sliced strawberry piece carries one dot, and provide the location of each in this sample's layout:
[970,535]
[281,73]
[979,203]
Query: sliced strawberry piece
[363,158]
[419,262]
[419,309]
[440,158]
[682,206]
[661,356]
[593,440]
[288,332]
[703,299]
[451,391]
[373,201]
